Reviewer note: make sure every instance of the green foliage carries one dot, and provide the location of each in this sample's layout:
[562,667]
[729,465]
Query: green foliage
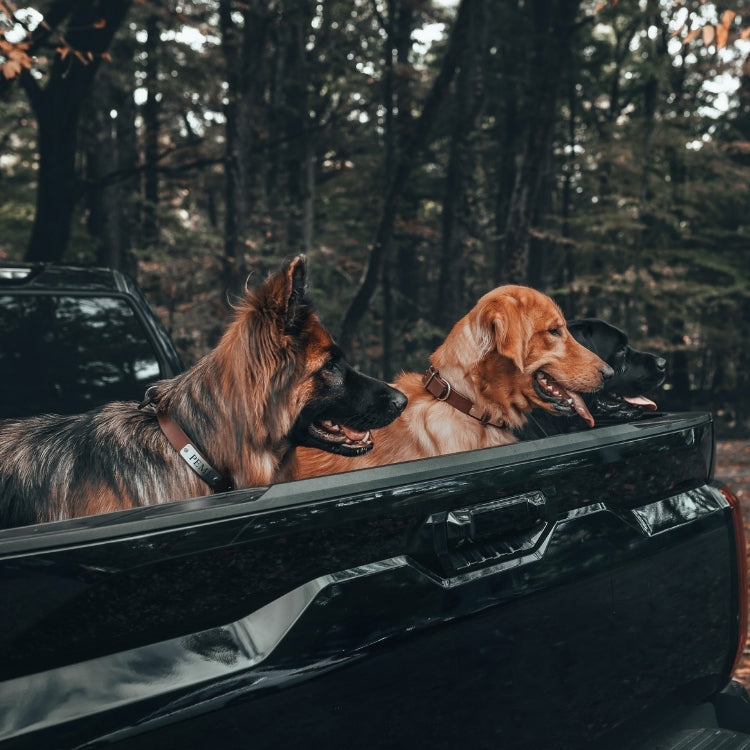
[642,214]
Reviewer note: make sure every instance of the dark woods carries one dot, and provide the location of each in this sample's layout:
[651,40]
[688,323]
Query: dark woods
[419,152]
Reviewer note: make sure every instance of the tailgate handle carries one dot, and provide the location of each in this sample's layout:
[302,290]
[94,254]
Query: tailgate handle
[494,519]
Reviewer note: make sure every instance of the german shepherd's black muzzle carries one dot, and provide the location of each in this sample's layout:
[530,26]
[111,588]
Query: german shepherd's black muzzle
[346,406]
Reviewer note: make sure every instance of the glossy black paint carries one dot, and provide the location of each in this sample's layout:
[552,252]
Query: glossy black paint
[46,279]
[590,576]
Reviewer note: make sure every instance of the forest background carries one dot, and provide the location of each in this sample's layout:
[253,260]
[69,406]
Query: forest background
[419,152]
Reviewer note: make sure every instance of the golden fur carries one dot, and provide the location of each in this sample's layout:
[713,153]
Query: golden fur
[492,356]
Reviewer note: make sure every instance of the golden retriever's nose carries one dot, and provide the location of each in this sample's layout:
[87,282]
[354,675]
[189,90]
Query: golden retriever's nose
[606,372]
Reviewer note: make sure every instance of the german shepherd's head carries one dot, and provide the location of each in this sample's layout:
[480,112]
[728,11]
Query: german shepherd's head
[279,381]
[337,406]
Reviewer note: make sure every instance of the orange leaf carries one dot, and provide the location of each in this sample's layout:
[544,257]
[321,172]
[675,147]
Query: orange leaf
[691,35]
[727,17]
[745,34]
[11,68]
[63,51]
[100,24]
[106,56]
[722,34]
[709,32]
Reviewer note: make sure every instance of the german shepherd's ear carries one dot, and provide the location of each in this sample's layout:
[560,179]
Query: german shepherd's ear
[286,293]
[506,329]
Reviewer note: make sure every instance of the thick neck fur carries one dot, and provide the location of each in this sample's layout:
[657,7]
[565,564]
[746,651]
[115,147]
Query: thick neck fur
[230,403]
[456,360]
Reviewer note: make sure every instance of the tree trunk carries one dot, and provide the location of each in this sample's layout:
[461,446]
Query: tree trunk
[57,108]
[407,159]
[449,304]
[59,187]
[243,49]
[108,220]
[552,30]
[299,148]
[151,107]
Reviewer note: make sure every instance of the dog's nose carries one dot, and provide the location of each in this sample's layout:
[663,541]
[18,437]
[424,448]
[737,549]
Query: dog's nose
[606,372]
[661,364]
[398,401]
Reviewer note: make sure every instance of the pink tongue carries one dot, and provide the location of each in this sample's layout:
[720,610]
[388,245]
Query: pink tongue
[647,403]
[581,408]
[355,436]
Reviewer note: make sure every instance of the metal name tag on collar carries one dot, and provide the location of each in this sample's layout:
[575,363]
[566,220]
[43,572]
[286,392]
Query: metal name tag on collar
[199,465]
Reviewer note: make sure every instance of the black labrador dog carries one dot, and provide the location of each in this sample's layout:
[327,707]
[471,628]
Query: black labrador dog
[623,396]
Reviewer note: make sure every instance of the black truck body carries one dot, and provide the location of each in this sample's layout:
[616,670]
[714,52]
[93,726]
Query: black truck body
[586,590]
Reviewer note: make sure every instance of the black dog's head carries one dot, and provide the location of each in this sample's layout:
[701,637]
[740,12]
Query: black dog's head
[636,372]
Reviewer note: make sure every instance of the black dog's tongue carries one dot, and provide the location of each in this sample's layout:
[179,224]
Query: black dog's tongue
[642,401]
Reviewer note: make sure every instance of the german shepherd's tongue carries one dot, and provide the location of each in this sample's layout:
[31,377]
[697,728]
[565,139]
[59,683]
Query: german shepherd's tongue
[356,436]
[646,403]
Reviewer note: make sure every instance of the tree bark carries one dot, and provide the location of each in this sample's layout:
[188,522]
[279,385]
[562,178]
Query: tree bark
[553,24]
[57,108]
[244,48]
[151,107]
[407,159]
[457,210]
[110,150]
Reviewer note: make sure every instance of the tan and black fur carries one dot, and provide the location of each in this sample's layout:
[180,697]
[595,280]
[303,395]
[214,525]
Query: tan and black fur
[275,380]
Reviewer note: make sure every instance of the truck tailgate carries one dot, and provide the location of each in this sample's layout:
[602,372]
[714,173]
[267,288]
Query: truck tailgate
[535,593]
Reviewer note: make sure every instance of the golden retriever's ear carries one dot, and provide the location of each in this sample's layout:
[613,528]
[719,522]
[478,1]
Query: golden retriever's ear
[506,329]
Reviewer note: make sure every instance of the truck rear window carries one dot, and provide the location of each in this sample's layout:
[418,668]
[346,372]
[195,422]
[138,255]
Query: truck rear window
[67,354]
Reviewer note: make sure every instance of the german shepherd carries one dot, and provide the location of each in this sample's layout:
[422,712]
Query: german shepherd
[276,380]
[512,352]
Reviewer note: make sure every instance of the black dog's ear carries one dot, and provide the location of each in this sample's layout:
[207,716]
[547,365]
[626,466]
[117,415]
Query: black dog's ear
[581,329]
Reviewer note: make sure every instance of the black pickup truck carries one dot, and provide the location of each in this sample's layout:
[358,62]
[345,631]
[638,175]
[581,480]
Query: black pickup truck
[581,591]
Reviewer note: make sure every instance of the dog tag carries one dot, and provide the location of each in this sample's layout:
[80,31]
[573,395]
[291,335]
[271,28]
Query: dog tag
[199,465]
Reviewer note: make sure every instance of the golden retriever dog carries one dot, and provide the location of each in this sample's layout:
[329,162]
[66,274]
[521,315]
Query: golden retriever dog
[511,353]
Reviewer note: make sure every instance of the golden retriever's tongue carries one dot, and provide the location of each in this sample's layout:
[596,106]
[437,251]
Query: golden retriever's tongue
[646,403]
[355,436]
[581,408]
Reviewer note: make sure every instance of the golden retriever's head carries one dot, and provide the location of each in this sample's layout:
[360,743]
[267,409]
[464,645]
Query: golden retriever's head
[526,357]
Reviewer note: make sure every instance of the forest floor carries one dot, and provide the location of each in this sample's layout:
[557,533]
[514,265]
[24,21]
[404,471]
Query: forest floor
[733,467]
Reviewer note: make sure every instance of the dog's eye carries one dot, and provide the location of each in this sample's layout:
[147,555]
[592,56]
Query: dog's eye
[554,332]
[329,369]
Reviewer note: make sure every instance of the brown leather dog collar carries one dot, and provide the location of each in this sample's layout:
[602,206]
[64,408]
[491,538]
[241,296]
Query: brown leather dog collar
[191,455]
[436,385]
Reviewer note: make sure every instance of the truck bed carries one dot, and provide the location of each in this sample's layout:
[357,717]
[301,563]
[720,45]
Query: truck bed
[551,593]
